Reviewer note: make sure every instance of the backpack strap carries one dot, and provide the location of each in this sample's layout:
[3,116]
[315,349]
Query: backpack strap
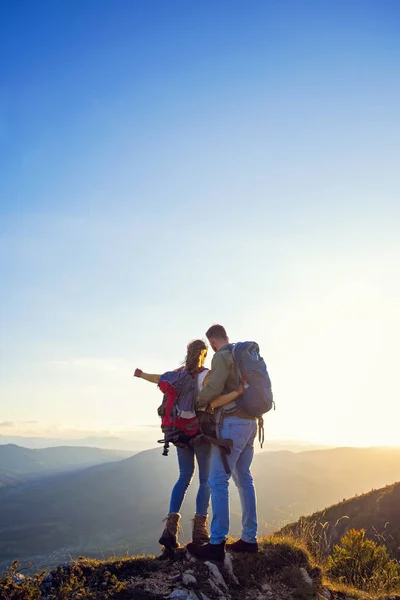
[174,414]
[225,447]
[238,371]
[223,454]
[195,390]
[261,436]
[220,415]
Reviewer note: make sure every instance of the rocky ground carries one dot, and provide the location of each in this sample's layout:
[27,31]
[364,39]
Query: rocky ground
[281,571]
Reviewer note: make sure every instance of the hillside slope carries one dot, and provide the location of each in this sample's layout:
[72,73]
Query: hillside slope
[378,512]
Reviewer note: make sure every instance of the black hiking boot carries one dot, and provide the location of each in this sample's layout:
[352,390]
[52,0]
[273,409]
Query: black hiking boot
[215,552]
[241,546]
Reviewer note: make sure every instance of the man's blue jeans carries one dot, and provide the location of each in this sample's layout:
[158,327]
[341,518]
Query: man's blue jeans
[186,457]
[242,432]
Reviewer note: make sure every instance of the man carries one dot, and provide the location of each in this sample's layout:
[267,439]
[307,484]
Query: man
[242,429]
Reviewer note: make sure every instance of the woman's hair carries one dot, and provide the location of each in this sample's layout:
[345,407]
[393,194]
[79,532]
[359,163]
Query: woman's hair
[194,349]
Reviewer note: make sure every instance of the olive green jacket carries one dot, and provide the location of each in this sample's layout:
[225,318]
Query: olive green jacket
[223,378]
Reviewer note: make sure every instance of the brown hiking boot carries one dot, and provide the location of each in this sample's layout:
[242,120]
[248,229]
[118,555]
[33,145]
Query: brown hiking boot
[199,530]
[169,537]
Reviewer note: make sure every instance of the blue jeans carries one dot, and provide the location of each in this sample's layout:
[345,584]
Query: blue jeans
[186,456]
[242,432]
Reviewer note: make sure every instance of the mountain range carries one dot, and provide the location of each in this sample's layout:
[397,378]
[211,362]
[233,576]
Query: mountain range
[118,507]
[131,442]
[18,465]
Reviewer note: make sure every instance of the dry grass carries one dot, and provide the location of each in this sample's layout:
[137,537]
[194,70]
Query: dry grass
[315,538]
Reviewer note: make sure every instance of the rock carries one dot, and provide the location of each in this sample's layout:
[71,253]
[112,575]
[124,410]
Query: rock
[228,564]
[266,588]
[217,590]
[179,595]
[190,571]
[214,587]
[305,576]
[187,579]
[190,558]
[216,575]
[204,597]
[192,595]
[255,595]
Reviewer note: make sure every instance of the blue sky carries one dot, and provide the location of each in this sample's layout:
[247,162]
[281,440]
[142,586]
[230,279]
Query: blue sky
[167,165]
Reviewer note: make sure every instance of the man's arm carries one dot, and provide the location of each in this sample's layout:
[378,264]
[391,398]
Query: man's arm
[220,370]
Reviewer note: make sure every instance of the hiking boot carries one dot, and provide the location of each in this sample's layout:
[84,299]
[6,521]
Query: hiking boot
[241,546]
[169,537]
[214,552]
[199,530]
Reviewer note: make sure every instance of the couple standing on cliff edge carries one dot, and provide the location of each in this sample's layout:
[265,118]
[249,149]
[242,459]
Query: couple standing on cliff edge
[233,394]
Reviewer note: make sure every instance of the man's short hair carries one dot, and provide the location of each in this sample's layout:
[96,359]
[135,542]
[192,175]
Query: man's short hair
[217,331]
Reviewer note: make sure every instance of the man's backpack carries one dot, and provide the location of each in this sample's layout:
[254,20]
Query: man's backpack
[257,398]
[179,422]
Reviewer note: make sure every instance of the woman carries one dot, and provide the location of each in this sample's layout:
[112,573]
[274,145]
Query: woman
[194,364]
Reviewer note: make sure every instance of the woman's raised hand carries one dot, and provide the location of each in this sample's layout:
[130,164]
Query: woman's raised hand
[138,373]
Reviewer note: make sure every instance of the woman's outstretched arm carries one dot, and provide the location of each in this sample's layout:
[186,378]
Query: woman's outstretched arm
[147,376]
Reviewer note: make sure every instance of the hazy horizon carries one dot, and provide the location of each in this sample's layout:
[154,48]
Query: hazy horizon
[145,438]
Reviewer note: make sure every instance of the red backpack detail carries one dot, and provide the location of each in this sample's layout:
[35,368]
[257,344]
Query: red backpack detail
[180,391]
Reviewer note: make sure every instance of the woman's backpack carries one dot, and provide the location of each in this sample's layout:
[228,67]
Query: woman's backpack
[179,422]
